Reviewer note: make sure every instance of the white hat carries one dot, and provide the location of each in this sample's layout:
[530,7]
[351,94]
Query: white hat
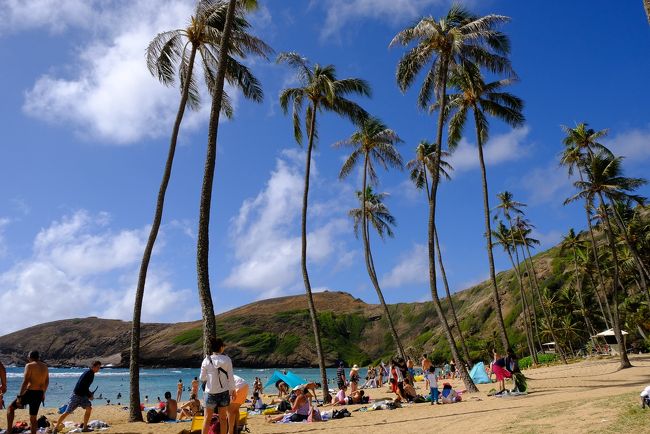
[355,368]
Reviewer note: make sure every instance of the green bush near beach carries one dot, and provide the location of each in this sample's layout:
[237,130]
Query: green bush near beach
[544,359]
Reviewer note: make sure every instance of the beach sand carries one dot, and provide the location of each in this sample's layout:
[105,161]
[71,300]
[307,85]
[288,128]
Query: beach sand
[587,396]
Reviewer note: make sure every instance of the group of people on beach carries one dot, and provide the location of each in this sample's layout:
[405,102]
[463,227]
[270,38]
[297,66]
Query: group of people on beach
[36,380]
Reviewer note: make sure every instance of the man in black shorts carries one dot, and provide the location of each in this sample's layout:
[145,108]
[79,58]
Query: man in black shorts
[32,391]
[81,397]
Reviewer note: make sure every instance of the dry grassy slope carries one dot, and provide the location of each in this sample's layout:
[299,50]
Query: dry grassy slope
[277,332]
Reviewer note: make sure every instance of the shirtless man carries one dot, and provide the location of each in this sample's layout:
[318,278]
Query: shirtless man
[195,387]
[426,364]
[32,391]
[170,408]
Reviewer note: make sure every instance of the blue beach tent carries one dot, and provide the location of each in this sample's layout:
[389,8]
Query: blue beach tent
[478,374]
[290,378]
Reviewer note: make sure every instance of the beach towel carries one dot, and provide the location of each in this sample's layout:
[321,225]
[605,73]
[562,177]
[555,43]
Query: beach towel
[478,374]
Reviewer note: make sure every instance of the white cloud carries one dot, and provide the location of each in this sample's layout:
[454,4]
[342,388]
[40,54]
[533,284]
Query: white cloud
[56,15]
[266,240]
[341,12]
[633,144]
[547,184]
[413,268]
[109,94]
[499,149]
[80,267]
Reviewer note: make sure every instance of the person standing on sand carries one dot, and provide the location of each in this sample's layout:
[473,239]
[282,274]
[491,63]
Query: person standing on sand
[354,378]
[426,364]
[195,386]
[81,397]
[32,391]
[217,372]
[179,388]
[3,384]
[241,391]
[380,374]
[410,368]
[340,376]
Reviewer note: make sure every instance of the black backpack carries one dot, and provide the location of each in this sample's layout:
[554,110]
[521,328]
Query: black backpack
[153,416]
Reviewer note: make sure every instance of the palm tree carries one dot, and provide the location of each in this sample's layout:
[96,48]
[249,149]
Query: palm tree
[503,238]
[605,180]
[482,99]
[578,143]
[170,53]
[509,208]
[418,172]
[521,233]
[619,209]
[375,143]
[585,265]
[572,242]
[252,89]
[321,90]
[443,44]
[646,6]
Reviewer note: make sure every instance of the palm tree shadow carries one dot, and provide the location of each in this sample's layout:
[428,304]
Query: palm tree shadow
[384,422]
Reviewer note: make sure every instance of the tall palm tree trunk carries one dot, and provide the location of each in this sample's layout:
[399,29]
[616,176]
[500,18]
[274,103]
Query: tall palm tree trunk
[501,325]
[203,241]
[583,309]
[524,298]
[594,248]
[443,274]
[545,311]
[435,176]
[625,362]
[370,264]
[646,6]
[303,261]
[524,307]
[135,414]
[533,305]
[600,304]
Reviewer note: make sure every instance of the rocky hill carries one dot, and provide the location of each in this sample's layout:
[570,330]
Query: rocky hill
[277,332]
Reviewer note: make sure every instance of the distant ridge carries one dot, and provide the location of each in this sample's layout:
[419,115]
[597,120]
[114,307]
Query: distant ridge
[277,331]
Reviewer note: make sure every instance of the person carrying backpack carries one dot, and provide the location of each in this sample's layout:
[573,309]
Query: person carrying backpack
[217,373]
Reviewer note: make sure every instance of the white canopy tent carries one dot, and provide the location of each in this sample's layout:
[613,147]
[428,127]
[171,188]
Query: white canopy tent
[610,339]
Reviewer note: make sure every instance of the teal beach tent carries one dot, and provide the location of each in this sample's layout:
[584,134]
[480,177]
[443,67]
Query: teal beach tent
[478,374]
[290,378]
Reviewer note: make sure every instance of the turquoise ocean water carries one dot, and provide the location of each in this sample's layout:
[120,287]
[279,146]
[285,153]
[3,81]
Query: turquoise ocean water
[153,382]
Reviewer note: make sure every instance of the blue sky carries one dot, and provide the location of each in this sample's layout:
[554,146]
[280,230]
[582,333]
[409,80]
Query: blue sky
[86,130]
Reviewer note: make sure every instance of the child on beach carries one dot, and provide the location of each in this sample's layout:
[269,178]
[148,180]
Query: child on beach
[430,377]
[645,397]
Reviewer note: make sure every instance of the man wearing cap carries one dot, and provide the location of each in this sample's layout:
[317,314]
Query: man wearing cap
[32,390]
[81,397]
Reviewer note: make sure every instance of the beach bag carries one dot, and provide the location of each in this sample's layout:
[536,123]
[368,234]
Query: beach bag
[42,422]
[214,424]
[154,417]
[314,415]
[284,406]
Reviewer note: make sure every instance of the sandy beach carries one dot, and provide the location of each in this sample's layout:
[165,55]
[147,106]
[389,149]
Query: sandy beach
[587,396]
